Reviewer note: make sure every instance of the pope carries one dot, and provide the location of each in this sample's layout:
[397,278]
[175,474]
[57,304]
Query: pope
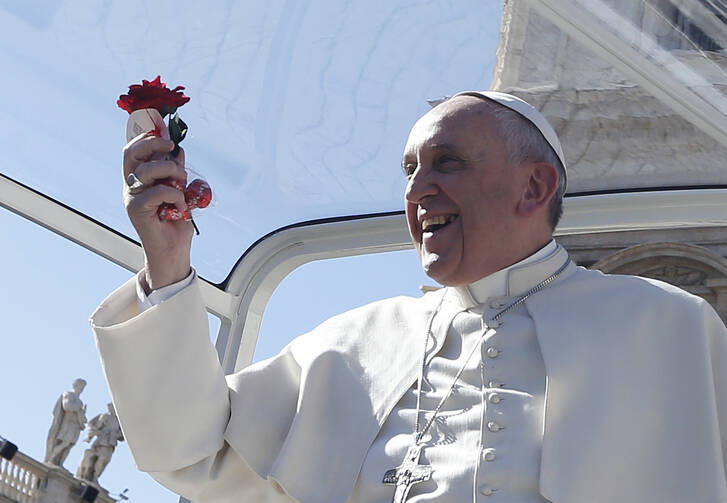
[525,379]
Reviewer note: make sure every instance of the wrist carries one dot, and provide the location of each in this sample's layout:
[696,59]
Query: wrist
[154,279]
[144,282]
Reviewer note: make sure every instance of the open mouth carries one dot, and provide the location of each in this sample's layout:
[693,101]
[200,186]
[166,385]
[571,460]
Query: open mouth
[435,223]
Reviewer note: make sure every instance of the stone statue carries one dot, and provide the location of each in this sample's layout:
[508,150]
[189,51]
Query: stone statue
[105,427]
[69,418]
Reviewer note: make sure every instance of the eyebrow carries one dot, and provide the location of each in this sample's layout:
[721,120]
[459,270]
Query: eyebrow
[436,146]
[444,146]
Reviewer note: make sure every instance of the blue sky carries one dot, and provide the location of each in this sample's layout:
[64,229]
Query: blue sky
[299,110]
[52,285]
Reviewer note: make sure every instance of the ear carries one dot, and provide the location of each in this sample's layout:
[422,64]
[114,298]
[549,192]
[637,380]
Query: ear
[542,182]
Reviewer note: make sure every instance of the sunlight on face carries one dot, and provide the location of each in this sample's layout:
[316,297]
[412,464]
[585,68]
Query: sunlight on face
[461,192]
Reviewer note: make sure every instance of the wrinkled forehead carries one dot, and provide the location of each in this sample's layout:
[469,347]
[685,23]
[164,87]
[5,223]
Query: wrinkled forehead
[464,122]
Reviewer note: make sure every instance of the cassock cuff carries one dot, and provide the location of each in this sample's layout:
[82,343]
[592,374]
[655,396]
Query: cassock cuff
[162,294]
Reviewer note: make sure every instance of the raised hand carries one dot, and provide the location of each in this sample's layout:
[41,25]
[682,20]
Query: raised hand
[166,243]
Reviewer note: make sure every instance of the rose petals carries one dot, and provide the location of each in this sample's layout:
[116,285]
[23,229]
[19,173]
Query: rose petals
[154,94]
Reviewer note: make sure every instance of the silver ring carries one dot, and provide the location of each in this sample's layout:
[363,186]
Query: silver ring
[134,184]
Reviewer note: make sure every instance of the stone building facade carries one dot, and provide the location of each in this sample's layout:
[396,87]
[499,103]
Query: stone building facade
[617,136]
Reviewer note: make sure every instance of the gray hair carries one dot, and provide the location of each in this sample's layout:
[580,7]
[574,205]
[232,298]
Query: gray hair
[525,143]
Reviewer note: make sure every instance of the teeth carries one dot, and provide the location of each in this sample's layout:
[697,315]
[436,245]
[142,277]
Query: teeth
[429,223]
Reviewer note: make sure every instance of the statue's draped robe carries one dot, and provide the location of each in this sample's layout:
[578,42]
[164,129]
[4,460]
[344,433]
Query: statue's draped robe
[68,421]
[635,401]
[107,429]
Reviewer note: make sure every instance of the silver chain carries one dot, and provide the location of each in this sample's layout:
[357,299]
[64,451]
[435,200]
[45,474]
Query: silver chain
[486,330]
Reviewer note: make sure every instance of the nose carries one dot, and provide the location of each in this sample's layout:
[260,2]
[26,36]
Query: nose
[421,185]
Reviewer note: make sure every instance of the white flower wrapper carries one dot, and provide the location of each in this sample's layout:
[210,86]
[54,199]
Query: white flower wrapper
[143,121]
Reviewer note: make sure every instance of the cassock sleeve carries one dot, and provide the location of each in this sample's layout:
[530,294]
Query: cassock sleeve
[718,352]
[173,401]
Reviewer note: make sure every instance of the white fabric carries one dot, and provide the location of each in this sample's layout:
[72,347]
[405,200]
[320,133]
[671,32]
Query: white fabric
[496,285]
[160,295]
[460,438]
[635,397]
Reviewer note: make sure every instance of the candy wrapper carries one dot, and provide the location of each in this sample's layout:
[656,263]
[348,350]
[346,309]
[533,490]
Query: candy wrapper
[148,103]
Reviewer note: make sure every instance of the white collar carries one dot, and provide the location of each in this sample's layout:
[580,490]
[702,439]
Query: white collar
[502,283]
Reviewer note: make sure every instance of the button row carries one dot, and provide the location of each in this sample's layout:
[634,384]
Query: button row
[492,352]
[487,490]
[489,454]
[494,427]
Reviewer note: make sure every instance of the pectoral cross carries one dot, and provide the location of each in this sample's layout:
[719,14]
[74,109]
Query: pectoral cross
[408,473]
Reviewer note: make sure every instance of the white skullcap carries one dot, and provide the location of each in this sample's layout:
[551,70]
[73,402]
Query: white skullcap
[526,110]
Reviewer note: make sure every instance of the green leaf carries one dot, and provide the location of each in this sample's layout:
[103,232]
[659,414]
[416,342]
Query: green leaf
[167,110]
[177,129]
[177,132]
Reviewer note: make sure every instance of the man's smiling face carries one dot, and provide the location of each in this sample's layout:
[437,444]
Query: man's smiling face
[462,192]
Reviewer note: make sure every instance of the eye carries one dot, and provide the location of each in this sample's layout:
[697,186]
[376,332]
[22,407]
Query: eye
[446,159]
[446,163]
[408,169]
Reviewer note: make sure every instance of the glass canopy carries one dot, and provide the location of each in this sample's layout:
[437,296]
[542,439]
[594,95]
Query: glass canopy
[300,110]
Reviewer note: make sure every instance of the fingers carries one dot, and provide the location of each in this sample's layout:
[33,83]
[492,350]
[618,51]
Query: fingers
[146,147]
[145,204]
[153,171]
[149,158]
[180,159]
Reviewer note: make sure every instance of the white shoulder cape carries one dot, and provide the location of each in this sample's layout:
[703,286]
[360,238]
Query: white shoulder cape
[635,402]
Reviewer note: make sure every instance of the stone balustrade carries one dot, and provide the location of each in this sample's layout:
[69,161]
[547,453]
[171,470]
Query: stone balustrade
[26,480]
[21,478]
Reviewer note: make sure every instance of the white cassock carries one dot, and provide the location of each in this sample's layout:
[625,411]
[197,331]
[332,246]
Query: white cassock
[601,389]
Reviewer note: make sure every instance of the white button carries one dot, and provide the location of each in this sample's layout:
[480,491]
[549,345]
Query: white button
[487,490]
[493,352]
[494,398]
[490,455]
[493,426]
[494,383]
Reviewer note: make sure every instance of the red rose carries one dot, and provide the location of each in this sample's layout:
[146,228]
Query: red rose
[153,94]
